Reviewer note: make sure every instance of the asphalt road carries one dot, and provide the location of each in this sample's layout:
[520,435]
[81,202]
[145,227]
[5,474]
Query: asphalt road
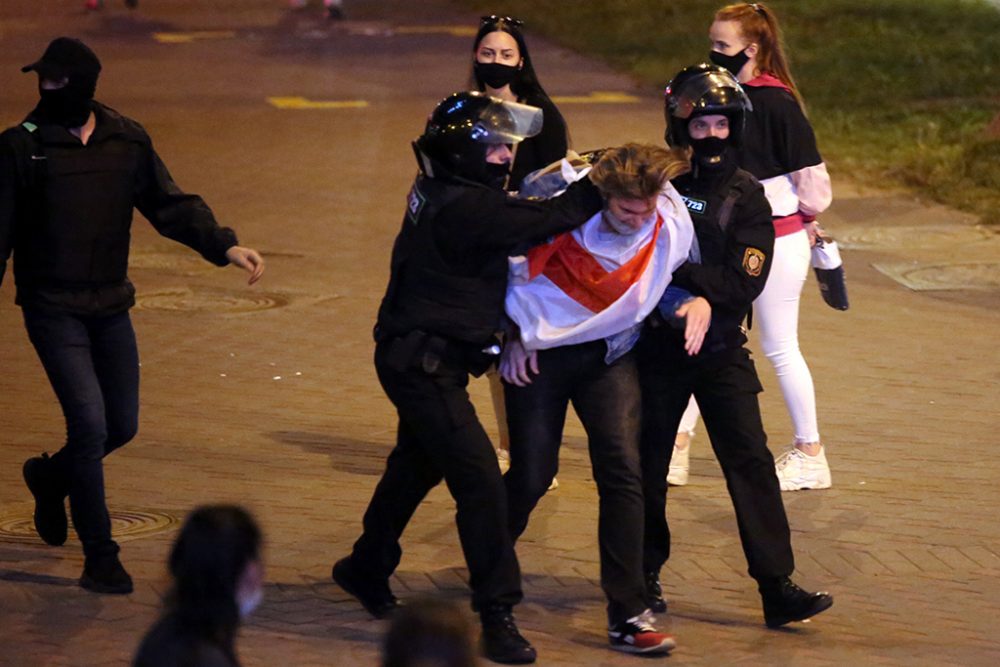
[297,133]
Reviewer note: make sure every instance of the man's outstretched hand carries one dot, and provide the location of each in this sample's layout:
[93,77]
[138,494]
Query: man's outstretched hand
[247,259]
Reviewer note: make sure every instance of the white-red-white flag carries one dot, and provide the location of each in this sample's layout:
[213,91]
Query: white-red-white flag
[592,282]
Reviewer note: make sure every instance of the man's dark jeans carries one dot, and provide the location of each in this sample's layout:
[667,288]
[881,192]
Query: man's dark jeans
[606,398]
[93,366]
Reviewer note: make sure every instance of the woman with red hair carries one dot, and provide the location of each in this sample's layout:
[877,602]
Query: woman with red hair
[779,148]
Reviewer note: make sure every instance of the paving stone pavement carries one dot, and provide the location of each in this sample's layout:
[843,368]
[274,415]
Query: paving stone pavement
[266,396]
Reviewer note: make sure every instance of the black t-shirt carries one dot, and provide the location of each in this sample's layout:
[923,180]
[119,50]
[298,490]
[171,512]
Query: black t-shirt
[778,138]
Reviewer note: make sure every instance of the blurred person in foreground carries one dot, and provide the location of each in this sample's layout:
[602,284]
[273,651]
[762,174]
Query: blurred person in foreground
[429,633]
[218,580]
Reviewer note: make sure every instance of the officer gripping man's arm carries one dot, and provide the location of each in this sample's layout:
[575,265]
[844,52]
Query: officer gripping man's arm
[439,316]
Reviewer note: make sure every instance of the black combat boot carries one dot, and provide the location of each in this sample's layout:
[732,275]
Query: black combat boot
[50,496]
[373,594]
[105,574]
[501,641]
[784,602]
[654,594]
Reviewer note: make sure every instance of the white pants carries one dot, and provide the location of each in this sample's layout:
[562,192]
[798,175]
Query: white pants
[690,418]
[776,317]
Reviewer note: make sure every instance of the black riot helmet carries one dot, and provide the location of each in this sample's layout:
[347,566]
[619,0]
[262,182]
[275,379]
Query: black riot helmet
[704,90]
[461,129]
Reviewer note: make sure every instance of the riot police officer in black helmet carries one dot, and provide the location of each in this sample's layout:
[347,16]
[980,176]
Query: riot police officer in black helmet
[436,326]
[705,109]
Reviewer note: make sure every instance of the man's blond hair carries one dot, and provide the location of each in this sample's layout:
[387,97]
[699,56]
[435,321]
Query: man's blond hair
[637,171]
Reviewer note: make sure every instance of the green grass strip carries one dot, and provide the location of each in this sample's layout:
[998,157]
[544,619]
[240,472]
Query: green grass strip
[900,92]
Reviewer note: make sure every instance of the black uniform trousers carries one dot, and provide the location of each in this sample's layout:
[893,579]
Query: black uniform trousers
[606,398]
[439,437]
[726,385]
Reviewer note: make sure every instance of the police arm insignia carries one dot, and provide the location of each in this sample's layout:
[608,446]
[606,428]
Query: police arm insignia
[415,203]
[753,262]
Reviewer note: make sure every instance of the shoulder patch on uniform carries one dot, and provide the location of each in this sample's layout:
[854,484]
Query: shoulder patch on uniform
[695,205]
[415,203]
[753,262]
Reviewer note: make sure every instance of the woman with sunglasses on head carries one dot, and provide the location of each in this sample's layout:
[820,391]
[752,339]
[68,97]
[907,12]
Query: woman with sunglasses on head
[779,148]
[501,67]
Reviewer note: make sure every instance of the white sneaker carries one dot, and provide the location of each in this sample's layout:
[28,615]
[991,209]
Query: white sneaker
[553,485]
[677,474]
[797,470]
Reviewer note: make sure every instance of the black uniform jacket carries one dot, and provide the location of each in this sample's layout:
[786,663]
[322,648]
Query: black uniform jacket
[66,212]
[449,262]
[735,255]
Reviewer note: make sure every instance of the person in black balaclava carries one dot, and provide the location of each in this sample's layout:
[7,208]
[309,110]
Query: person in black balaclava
[67,81]
[70,176]
[705,109]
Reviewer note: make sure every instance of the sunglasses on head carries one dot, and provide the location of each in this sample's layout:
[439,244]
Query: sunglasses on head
[494,19]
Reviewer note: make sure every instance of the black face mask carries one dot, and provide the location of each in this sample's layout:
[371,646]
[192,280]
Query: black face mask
[710,152]
[732,63]
[495,75]
[68,106]
[496,174]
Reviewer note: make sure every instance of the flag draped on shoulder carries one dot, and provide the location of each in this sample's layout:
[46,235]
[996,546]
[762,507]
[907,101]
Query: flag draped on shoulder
[593,282]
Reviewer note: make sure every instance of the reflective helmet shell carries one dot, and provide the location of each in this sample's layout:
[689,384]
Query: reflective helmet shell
[703,90]
[463,126]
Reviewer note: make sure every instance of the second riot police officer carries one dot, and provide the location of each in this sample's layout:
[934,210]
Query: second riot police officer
[705,109]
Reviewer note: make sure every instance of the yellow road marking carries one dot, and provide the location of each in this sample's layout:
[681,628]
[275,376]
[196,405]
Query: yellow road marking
[596,97]
[454,30]
[186,37]
[304,103]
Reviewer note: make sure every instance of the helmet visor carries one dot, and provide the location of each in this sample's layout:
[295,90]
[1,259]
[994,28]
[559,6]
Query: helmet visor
[503,122]
[692,95]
